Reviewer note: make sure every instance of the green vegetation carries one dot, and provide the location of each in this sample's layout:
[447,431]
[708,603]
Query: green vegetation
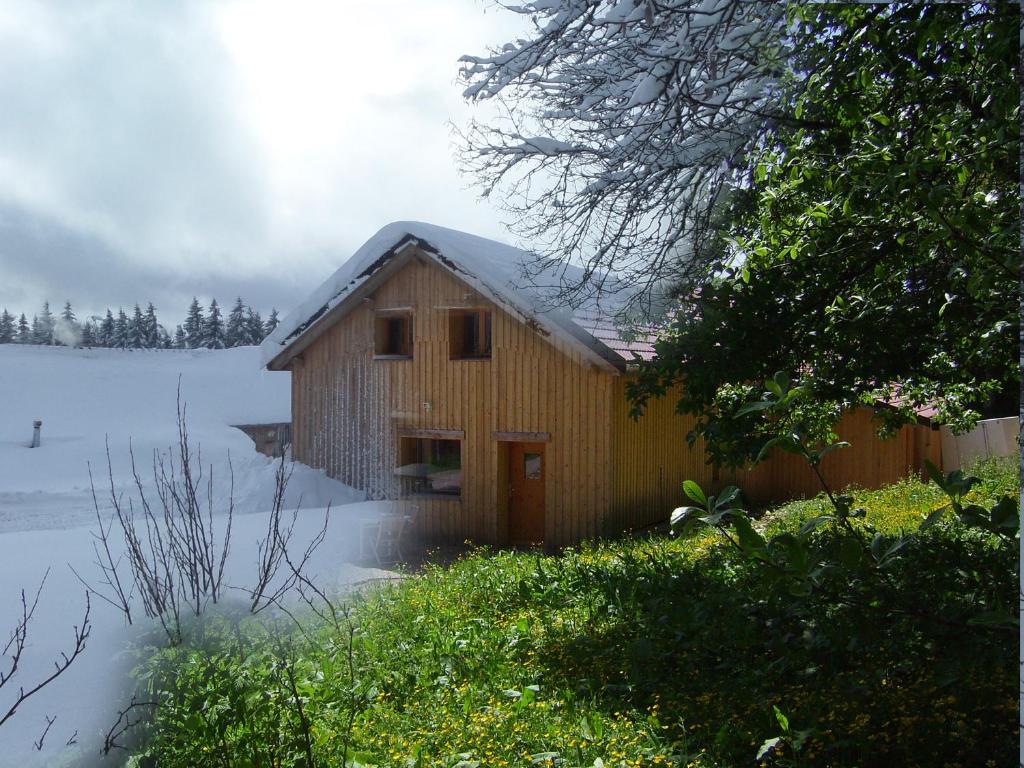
[648,651]
[888,212]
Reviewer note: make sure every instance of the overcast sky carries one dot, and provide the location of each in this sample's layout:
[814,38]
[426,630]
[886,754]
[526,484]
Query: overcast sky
[154,150]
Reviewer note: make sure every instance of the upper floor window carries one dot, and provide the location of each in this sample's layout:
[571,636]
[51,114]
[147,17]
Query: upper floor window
[469,335]
[392,335]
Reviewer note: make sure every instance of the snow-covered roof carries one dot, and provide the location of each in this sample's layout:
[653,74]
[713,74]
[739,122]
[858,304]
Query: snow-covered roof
[494,269]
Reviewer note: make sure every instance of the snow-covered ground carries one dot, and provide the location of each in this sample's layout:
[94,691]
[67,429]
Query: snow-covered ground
[86,400]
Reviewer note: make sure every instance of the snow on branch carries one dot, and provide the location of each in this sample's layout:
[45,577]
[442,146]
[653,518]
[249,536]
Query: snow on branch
[624,127]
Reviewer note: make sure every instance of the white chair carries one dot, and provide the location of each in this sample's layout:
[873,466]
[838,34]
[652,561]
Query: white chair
[383,537]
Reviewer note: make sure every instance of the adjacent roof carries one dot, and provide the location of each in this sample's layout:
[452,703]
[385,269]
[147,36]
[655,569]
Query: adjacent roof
[494,269]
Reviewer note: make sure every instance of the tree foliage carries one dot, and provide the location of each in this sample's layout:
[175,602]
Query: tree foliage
[830,189]
[875,255]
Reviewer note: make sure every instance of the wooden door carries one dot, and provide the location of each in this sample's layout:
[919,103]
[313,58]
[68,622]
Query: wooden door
[526,492]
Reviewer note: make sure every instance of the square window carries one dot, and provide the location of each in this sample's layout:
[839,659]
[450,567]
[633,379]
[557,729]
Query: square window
[469,334]
[392,335]
[430,467]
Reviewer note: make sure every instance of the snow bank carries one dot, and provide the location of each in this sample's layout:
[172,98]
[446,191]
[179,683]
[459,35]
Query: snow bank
[85,398]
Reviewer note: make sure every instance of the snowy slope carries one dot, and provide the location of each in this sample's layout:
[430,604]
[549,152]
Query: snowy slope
[47,515]
[84,396]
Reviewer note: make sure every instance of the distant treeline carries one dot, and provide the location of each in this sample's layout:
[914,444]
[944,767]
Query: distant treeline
[141,329]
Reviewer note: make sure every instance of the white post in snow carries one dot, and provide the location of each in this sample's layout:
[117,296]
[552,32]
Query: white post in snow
[35,433]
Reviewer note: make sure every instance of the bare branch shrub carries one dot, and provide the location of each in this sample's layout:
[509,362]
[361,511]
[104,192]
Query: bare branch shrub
[273,550]
[13,653]
[176,543]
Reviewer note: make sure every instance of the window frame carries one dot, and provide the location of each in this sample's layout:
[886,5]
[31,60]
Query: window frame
[408,457]
[483,330]
[382,321]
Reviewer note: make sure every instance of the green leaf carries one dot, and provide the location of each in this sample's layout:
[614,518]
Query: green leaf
[691,489]
[933,518]
[750,540]
[543,757]
[767,747]
[683,520]
[814,523]
[781,718]
[767,447]
[760,405]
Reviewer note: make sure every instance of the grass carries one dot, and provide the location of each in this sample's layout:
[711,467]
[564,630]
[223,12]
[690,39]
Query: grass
[647,651]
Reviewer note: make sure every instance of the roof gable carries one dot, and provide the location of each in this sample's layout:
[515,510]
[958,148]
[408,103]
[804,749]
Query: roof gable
[492,268]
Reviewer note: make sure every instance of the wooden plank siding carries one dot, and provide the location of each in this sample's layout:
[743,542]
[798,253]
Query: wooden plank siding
[651,460]
[349,408]
[869,462]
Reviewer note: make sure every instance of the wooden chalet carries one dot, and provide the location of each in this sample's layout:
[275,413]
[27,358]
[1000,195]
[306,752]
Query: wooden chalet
[428,369]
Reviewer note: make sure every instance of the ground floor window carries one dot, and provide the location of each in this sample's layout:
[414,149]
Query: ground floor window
[430,467]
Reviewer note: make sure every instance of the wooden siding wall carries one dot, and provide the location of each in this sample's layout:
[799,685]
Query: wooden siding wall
[868,462]
[652,459]
[347,409]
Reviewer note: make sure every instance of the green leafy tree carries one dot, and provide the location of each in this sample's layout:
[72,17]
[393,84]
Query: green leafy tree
[876,249]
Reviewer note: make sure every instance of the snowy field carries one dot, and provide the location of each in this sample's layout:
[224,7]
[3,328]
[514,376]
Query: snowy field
[87,397]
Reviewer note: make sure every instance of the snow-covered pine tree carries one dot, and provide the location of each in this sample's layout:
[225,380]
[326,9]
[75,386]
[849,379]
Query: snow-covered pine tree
[42,329]
[195,325]
[24,330]
[6,327]
[271,324]
[137,329]
[121,330]
[163,338]
[88,333]
[253,327]
[151,328]
[105,337]
[66,327]
[213,331]
[180,338]
[38,334]
[234,334]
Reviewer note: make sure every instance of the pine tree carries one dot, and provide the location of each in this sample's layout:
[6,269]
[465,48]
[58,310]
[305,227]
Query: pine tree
[195,325]
[214,330]
[253,327]
[234,335]
[271,324]
[180,339]
[6,327]
[67,325]
[38,334]
[24,330]
[106,332]
[137,329]
[121,330]
[151,328]
[88,333]
[43,325]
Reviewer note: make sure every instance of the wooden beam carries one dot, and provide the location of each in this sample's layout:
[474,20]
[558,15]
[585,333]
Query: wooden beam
[441,434]
[522,437]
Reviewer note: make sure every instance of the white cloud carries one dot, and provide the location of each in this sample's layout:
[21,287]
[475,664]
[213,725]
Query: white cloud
[203,141]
